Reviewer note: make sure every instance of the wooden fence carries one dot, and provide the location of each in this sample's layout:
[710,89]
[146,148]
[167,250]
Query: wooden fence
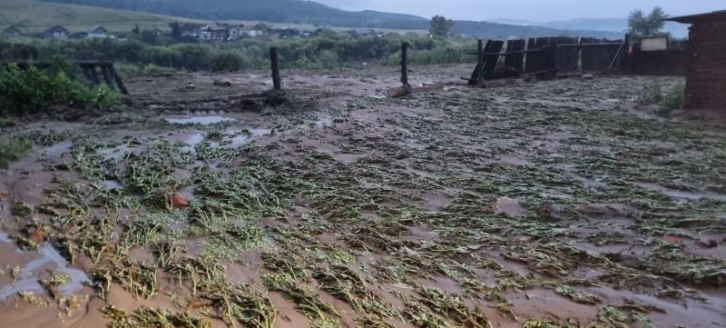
[546,57]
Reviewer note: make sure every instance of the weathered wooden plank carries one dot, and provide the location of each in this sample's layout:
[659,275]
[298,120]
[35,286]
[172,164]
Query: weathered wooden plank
[275,66]
[491,62]
[515,55]
[586,53]
[107,76]
[119,83]
[529,61]
[480,62]
[474,76]
[404,64]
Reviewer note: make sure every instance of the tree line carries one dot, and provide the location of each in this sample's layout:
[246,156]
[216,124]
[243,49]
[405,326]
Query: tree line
[325,51]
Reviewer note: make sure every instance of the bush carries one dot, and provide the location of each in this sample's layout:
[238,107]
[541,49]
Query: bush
[653,94]
[227,61]
[27,92]
[674,99]
[13,150]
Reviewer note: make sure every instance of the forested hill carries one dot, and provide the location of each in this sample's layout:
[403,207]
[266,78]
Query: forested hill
[307,12]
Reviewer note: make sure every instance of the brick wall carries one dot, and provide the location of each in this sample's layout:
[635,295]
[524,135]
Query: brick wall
[706,76]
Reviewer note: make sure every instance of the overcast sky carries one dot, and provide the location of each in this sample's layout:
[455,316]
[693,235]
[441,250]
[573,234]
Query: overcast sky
[530,10]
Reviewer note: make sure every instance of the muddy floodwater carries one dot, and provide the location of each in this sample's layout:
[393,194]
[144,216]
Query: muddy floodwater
[558,203]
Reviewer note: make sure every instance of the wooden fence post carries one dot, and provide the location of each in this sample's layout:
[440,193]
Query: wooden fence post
[480,62]
[276,83]
[117,78]
[94,75]
[107,75]
[404,64]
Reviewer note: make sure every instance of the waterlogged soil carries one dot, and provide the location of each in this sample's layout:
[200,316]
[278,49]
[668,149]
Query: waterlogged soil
[550,204]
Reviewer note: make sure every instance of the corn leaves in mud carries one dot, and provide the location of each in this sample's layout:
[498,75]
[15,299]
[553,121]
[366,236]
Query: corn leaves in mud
[370,241]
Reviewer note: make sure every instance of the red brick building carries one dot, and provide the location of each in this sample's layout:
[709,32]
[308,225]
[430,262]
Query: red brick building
[706,66]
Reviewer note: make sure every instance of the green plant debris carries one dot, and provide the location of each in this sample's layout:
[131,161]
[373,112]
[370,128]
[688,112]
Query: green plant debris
[149,318]
[306,301]
[382,216]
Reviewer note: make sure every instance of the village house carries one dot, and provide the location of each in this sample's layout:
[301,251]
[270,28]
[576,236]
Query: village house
[97,32]
[236,32]
[12,32]
[214,32]
[705,78]
[56,32]
[255,31]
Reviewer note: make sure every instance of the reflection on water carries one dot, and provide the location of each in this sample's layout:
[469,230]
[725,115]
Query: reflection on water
[49,259]
[204,120]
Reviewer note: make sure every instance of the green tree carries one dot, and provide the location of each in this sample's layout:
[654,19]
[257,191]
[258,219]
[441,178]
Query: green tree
[176,32]
[440,26]
[640,25]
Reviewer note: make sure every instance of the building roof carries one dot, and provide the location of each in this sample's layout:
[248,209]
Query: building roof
[97,28]
[690,19]
[57,27]
[217,27]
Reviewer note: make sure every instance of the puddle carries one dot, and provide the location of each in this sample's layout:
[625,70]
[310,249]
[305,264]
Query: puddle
[203,120]
[682,195]
[510,207]
[116,152]
[49,258]
[194,140]
[243,137]
[323,122]
[113,184]
[58,149]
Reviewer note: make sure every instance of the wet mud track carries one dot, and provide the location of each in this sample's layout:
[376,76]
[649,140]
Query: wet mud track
[556,204]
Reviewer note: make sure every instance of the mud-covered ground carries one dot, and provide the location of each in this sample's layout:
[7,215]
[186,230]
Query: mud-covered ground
[550,204]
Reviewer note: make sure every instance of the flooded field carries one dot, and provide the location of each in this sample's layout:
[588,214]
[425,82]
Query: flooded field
[549,204]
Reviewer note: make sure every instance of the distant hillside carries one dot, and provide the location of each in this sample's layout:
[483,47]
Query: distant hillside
[307,12]
[34,16]
[611,24]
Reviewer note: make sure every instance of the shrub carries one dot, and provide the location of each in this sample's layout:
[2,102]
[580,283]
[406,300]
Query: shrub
[13,149]
[674,99]
[651,94]
[27,92]
[227,61]
[328,59]
[6,122]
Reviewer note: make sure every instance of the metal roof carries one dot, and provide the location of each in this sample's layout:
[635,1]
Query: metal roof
[689,19]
